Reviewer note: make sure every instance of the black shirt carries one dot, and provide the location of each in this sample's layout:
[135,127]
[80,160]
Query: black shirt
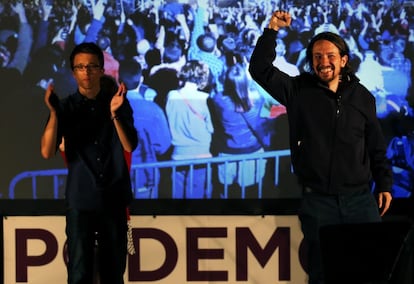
[98,175]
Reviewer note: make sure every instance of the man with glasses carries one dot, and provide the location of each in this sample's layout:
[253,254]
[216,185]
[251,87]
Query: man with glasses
[97,126]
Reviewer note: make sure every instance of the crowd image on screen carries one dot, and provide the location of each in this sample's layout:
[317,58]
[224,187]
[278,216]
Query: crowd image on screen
[161,38]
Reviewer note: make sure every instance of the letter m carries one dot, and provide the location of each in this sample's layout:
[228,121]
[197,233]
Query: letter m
[246,240]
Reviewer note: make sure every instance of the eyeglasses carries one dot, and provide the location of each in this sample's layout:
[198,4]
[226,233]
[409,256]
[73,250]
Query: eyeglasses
[89,67]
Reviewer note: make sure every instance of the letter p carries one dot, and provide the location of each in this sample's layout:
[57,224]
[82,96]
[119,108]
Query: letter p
[23,260]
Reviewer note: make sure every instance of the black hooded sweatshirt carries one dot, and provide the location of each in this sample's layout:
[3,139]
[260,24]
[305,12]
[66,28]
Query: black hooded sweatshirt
[336,141]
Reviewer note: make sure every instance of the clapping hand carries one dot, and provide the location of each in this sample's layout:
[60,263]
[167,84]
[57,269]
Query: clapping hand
[118,98]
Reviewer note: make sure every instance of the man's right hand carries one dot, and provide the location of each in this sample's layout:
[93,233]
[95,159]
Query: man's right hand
[280,19]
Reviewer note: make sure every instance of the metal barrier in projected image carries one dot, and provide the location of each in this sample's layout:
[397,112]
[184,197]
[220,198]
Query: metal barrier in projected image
[270,181]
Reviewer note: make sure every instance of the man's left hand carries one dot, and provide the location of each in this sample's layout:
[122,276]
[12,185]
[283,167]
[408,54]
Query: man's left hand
[384,202]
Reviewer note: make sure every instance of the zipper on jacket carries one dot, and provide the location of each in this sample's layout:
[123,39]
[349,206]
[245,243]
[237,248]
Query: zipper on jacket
[338,105]
[333,147]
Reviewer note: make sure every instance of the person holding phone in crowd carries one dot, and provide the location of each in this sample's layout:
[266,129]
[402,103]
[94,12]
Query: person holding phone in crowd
[337,145]
[97,126]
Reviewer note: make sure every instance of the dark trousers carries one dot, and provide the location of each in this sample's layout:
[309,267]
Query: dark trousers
[105,229]
[318,210]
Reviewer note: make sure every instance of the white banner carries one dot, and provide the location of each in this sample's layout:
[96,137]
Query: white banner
[169,249]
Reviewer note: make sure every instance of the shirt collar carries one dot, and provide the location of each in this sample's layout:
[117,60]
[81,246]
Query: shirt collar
[81,98]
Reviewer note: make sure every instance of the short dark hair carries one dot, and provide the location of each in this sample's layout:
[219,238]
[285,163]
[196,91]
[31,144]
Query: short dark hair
[172,53]
[206,42]
[337,40]
[130,72]
[87,47]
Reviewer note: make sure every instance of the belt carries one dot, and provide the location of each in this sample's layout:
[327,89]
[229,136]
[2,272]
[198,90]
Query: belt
[307,189]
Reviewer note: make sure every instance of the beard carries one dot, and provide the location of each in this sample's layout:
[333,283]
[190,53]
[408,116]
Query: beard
[326,73]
